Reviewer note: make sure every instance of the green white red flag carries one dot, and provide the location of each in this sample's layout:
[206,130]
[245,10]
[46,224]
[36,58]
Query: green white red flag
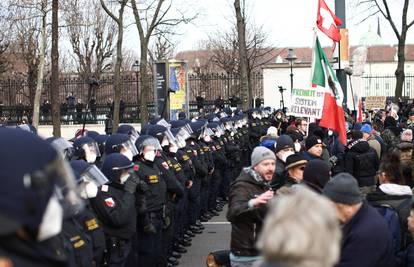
[324,78]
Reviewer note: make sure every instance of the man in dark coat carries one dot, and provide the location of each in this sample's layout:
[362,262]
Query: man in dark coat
[248,197]
[366,240]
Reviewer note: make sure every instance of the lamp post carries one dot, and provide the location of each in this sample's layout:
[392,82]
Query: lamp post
[291,57]
[135,68]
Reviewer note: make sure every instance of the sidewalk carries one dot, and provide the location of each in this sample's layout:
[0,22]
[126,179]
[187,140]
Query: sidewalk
[216,236]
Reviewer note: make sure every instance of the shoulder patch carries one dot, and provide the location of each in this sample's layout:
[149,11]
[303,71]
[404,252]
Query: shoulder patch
[92,224]
[136,167]
[110,202]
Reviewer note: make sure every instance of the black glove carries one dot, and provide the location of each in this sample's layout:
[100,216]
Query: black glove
[131,184]
[149,228]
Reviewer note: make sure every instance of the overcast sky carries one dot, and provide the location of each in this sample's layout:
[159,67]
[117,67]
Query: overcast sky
[288,23]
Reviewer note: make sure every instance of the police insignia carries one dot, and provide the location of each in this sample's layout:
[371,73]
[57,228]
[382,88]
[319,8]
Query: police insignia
[110,202]
[92,224]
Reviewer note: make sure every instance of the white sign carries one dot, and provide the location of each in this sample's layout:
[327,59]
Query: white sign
[307,103]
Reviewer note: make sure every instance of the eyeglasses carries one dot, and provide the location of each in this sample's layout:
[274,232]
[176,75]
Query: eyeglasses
[302,168]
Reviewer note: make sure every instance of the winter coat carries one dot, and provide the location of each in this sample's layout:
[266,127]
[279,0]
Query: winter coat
[366,240]
[246,222]
[362,162]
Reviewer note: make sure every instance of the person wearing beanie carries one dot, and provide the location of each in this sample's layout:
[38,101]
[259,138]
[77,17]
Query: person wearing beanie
[248,198]
[314,148]
[316,174]
[367,135]
[284,148]
[295,165]
[366,239]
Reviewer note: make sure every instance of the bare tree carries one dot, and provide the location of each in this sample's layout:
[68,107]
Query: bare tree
[241,33]
[150,16]
[91,34]
[374,7]
[54,79]
[119,20]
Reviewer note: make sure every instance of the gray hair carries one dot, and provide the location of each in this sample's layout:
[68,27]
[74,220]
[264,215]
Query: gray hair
[301,229]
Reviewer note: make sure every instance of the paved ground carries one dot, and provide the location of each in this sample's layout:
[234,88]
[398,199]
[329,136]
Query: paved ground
[216,236]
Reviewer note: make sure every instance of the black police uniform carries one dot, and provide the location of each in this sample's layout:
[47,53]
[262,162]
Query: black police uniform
[220,164]
[116,209]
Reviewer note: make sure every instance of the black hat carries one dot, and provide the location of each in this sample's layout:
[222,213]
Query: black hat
[284,141]
[311,141]
[343,188]
[295,160]
[316,174]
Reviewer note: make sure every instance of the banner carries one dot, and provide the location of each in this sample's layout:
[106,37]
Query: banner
[178,88]
[160,89]
[307,103]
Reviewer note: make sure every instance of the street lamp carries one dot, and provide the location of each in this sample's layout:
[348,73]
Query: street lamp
[291,57]
[135,68]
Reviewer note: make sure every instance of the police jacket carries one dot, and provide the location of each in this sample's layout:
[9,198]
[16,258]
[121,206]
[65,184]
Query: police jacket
[200,167]
[246,222]
[94,229]
[116,210]
[176,167]
[219,157]
[186,164]
[172,182]
[78,245]
[28,253]
[362,162]
[208,155]
[156,194]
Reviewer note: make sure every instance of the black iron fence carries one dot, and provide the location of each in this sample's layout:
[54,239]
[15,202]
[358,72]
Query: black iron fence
[385,86]
[15,91]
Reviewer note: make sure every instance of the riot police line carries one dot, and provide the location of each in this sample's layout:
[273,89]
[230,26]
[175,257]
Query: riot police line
[133,198]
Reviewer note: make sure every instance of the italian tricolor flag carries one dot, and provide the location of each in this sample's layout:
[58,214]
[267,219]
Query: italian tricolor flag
[324,79]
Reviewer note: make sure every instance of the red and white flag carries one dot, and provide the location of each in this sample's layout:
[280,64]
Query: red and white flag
[359,116]
[324,78]
[327,22]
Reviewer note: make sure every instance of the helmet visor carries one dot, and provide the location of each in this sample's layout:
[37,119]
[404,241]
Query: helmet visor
[130,145]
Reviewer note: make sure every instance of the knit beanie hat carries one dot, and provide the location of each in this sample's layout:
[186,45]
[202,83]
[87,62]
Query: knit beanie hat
[261,153]
[316,174]
[343,188]
[311,141]
[407,135]
[366,128]
[272,131]
[284,141]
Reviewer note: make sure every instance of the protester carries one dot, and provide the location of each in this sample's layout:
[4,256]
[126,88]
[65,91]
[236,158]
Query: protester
[316,174]
[366,130]
[300,230]
[295,165]
[248,197]
[314,147]
[366,238]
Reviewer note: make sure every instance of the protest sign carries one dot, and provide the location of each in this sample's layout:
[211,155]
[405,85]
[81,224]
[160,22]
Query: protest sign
[306,103]
[375,102]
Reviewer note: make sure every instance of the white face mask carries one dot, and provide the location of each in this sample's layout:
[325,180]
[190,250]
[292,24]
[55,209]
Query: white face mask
[330,133]
[150,155]
[207,138]
[173,149]
[279,117]
[282,155]
[51,224]
[254,116]
[128,153]
[90,191]
[297,147]
[123,178]
[259,117]
[232,134]
[90,156]
[165,142]
[217,134]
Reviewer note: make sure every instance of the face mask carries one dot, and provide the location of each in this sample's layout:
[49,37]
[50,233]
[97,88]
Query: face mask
[278,117]
[297,147]
[254,116]
[128,153]
[89,155]
[330,132]
[227,127]
[259,117]
[51,224]
[218,134]
[173,149]
[165,142]
[123,178]
[90,191]
[207,138]
[150,155]
[283,155]
[231,134]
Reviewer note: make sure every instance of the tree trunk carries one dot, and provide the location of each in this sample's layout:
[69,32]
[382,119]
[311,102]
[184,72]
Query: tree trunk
[241,32]
[39,87]
[54,83]
[117,70]
[399,72]
[144,83]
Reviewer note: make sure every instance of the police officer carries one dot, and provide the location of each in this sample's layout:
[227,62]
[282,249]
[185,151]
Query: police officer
[63,146]
[120,143]
[129,130]
[89,179]
[86,149]
[115,207]
[32,200]
[150,221]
